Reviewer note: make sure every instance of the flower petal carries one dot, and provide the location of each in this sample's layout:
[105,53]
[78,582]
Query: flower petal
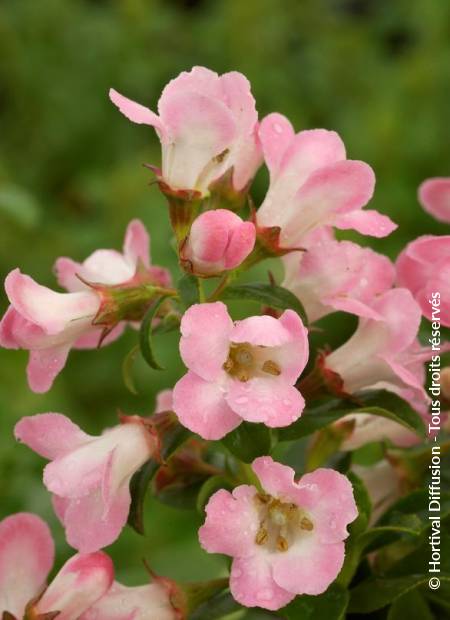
[367,222]
[276,134]
[44,365]
[135,112]
[434,196]
[137,243]
[202,408]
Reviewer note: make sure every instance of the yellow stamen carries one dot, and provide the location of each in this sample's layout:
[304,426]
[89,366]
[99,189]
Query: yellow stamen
[306,524]
[261,536]
[271,368]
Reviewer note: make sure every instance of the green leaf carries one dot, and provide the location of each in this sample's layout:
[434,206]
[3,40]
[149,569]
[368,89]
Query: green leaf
[326,443]
[249,441]
[411,605]
[376,593]
[331,605]
[209,487]
[267,294]
[127,369]
[171,439]
[19,205]
[218,606]
[388,406]
[145,335]
[189,290]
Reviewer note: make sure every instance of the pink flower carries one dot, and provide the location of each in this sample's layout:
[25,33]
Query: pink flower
[164,401]
[337,275]
[82,581]
[312,184]
[424,268]
[26,557]
[384,350]
[218,241]
[49,324]
[207,125]
[138,603]
[383,484]
[434,196]
[239,371]
[88,476]
[285,541]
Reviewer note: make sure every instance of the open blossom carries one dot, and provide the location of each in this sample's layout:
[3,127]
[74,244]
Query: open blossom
[285,540]
[239,371]
[207,125]
[218,241]
[148,602]
[88,476]
[383,350]
[337,275]
[312,184]
[49,324]
[26,558]
[434,196]
[424,268]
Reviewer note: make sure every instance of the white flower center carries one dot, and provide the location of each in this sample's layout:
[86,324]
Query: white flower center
[280,523]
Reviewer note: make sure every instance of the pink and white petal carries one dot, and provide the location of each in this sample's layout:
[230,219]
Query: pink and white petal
[247,158]
[405,376]
[82,581]
[275,133]
[231,523]
[202,408]
[402,315]
[241,243]
[137,243]
[262,330]
[277,479]
[10,323]
[60,505]
[107,267]
[26,557]
[164,401]
[205,339]
[352,306]
[90,525]
[91,339]
[270,401]
[239,99]
[308,567]
[328,497]
[137,113]
[198,80]
[51,435]
[52,311]
[367,222]
[252,584]
[44,365]
[67,271]
[293,357]
[434,196]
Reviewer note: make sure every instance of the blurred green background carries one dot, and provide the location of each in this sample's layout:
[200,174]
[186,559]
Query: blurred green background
[71,173]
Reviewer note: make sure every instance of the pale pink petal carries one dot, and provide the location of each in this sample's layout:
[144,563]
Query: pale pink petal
[240,244]
[205,339]
[202,408]
[11,323]
[44,365]
[366,222]
[310,568]
[434,196]
[265,330]
[352,306]
[52,311]
[199,80]
[252,584]
[239,99]
[276,133]
[277,479]
[402,315]
[67,272]
[164,401]
[107,267]
[136,112]
[82,581]
[231,522]
[137,243]
[26,557]
[51,435]
[271,401]
[91,339]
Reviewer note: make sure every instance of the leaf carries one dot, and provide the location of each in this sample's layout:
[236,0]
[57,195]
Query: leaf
[20,205]
[171,439]
[208,489]
[218,606]
[389,406]
[189,290]
[376,593]
[331,605]
[249,441]
[145,335]
[127,369]
[268,294]
[411,605]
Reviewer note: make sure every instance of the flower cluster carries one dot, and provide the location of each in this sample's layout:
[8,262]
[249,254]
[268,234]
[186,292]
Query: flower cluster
[252,383]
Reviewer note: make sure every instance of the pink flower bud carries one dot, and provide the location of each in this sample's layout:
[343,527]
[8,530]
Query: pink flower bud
[82,581]
[285,540]
[218,241]
[207,125]
[88,476]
